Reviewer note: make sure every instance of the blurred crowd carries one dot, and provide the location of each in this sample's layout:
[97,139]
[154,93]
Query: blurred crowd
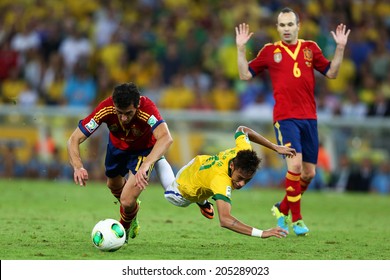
[182,53]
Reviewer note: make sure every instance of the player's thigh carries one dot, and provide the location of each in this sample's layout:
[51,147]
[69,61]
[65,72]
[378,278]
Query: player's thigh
[310,142]
[287,133]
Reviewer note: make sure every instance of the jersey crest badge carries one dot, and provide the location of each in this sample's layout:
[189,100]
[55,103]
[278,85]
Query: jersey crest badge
[308,55]
[91,126]
[277,55]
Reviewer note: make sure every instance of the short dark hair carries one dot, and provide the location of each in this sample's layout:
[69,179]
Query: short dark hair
[289,10]
[125,95]
[247,161]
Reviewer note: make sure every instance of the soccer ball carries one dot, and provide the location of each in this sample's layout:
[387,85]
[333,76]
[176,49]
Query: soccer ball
[108,235]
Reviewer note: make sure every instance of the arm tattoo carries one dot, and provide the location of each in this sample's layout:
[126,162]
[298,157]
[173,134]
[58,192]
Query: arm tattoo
[234,223]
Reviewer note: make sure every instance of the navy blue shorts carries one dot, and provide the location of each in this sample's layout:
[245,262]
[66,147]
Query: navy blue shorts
[302,135]
[119,162]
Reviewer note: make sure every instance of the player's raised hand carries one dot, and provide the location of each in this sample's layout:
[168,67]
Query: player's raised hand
[341,35]
[242,34]
[80,176]
[277,232]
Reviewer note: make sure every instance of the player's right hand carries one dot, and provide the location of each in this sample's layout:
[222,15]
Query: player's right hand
[80,176]
[242,34]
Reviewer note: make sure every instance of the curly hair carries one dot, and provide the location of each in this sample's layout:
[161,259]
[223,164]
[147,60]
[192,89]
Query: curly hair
[125,95]
[247,161]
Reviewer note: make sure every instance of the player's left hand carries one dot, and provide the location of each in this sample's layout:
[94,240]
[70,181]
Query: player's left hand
[80,176]
[142,177]
[287,151]
[341,35]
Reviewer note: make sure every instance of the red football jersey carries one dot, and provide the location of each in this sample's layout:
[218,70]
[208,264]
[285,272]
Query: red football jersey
[137,135]
[291,68]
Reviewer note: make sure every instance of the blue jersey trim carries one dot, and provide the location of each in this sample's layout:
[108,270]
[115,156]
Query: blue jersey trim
[157,124]
[83,130]
[327,69]
[252,72]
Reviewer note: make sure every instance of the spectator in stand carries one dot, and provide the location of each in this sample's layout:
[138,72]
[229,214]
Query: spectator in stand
[34,167]
[222,96]
[170,62]
[51,38]
[347,76]
[8,59]
[340,176]
[367,90]
[53,80]
[352,107]
[360,49]
[12,87]
[80,87]
[56,167]
[259,108]
[8,161]
[177,95]
[27,38]
[33,68]
[361,176]
[144,69]
[120,71]
[111,53]
[379,61]
[328,104]
[380,107]
[250,91]
[107,19]
[29,97]
[74,46]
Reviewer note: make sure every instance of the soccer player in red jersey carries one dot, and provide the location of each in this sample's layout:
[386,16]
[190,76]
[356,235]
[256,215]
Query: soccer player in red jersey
[291,63]
[138,138]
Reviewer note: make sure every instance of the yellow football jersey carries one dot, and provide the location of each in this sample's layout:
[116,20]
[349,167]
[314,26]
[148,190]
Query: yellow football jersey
[210,175]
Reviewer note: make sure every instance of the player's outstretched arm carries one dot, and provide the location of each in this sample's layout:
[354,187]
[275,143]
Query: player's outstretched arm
[228,221]
[80,174]
[261,140]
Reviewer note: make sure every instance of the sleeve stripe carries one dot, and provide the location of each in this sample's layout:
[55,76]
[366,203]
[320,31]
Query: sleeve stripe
[104,112]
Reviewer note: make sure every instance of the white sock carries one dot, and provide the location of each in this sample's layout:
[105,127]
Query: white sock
[164,172]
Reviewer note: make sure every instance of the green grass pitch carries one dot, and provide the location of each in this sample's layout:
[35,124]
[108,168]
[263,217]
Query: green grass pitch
[42,220]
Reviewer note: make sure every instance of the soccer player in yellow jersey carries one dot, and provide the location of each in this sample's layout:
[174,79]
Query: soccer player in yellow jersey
[218,175]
